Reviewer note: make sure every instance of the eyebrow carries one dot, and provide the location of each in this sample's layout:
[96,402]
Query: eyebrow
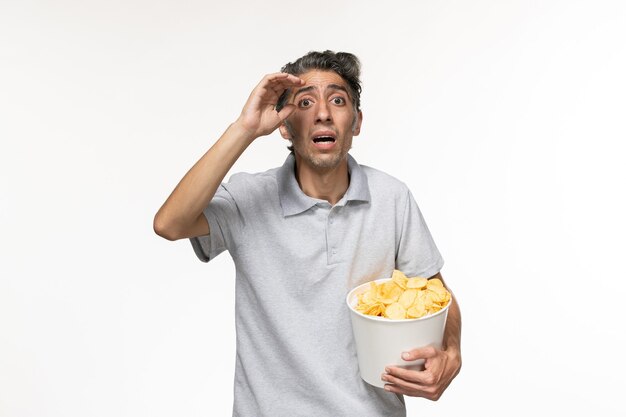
[330,87]
[338,87]
[303,90]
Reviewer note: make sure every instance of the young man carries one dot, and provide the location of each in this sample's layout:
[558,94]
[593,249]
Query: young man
[301,236]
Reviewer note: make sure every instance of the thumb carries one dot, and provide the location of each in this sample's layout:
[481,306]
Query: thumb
[420,353]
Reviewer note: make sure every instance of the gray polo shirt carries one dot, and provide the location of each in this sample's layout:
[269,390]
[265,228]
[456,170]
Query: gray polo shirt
[296,258]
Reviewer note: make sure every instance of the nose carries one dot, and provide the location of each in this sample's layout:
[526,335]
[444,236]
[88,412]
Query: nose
[323,114]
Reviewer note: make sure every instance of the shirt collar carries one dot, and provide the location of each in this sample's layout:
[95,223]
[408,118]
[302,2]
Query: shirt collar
[294,201]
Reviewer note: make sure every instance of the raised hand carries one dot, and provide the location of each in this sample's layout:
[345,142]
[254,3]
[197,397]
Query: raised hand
[259,116]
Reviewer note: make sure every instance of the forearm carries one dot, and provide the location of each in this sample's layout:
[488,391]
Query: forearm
[452,334]
[180,212]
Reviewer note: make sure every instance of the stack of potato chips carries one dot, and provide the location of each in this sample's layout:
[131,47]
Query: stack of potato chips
[403,297]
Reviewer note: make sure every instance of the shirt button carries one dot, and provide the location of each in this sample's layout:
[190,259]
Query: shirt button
[334,252]
[331,221]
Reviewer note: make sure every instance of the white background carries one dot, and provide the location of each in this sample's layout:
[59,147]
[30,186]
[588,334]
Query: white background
[505,118]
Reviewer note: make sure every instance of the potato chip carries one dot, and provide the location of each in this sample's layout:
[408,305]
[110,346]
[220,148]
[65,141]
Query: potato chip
[403,298]
[435,296]
[407,298]
[445,297]
[370,296]
[376,309]
[416,311]
[395,311]
[389,292]
[435,282]
[420,299]
[399,278]
[425,299]
[416,282]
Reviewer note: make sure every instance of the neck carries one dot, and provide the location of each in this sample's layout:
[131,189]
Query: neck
[329,184]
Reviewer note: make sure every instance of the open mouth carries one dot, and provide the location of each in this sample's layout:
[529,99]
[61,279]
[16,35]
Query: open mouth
[322,139]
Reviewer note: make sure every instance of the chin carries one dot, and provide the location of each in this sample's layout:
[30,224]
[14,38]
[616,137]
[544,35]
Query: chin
[326,161]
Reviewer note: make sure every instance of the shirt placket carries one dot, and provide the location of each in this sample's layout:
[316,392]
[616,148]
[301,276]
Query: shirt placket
[334,236]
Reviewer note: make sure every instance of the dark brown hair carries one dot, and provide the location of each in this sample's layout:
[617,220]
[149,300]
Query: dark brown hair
[345,64]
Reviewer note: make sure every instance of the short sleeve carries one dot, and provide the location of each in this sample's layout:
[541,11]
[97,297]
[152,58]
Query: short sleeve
[222,216]
[417,254]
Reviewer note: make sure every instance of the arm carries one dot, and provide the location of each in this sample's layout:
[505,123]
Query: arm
[440,367]
[181,215]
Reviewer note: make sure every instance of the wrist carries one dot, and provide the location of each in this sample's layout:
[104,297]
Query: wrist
[238,129]
[454,352]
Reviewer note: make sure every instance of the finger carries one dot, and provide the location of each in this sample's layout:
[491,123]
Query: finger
[283,79]
[402,383]
[279,87]
[422,378]
[277,83]
[277,76]
[428,394]
[420,353]
[399,390]
[286,111]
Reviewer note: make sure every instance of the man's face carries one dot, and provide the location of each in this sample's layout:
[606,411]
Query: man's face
[324,122]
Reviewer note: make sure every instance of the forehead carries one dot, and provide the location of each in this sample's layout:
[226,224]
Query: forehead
[321,79]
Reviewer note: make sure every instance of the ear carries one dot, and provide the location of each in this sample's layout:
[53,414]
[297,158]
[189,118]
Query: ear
[356,128]
[284,131]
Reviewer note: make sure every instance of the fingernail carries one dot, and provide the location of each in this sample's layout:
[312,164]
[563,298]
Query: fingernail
[387,370]
[406,356]
[387,388]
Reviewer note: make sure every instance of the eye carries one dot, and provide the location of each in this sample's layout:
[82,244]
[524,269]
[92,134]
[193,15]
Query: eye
[305,102]
[339,100]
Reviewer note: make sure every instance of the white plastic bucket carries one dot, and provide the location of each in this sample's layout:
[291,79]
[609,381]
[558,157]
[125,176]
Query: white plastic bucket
[380,341]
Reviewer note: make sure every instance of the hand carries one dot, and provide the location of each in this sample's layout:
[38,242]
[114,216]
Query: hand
[440,368]
[259,116]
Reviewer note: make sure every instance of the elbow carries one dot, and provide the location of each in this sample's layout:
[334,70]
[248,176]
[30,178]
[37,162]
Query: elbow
[164,228]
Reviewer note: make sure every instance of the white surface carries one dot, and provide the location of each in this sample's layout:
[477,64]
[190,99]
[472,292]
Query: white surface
[505,118]
[380,341]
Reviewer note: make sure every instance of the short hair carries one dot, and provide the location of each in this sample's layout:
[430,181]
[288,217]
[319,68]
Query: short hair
[345,64]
